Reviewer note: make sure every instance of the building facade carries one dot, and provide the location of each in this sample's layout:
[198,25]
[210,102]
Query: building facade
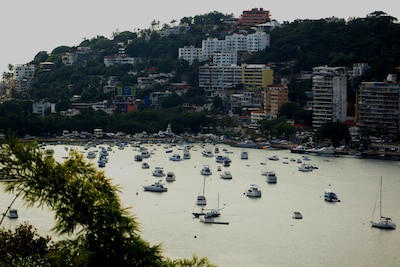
[274,97]
[378,105]
[329,88]
[250,18]
[256,76]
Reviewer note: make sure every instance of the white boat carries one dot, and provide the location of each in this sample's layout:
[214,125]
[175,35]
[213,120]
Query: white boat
[227,162]
[210,212]
[170,177]
[175,157]
[301,149]
[186,154]
[297,215]
[384,222]
[253,191]
[270,174]
[201,199]
[145,165]
[156,187]
[274,157]
[158,172]
[219,159]
[305,167]
[12,214]
[207,153]
[226,175]
[138,157]
[206,170]
[145,154]
[330,195]
[271,177]
[91,154]
[244,154]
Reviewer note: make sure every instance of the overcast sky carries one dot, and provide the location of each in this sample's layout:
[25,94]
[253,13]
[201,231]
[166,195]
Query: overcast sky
[28,27]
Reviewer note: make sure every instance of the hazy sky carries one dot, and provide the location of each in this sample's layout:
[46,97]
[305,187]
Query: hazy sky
[28,27]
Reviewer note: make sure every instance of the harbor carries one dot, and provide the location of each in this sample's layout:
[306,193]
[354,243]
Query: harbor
[256,225]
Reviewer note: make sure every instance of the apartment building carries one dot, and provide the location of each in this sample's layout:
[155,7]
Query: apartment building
[256,76]
[250,18]
[190,54]
[23,78]
[275,96]
[216,77]
[235,43]
[329,88]
[257,41]
[378,105]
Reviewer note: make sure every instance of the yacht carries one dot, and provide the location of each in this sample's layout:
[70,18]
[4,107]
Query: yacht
[138,157]
[170,177]
[244,155]
[13,214]
[201,200]
[271,177]
[91,154]
[156,187]
[145,165]
[227,162]
[297,215]
[219,159]
[206,170]
[207,153]
[253,191]
[145,154]
[274,157]
[186,154]
[226,175]
[158,172]
[175,157]
[330,195]
[301,149]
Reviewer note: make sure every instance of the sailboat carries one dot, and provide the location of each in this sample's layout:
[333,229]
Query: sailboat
[203,211]
[384,222]
[271,175]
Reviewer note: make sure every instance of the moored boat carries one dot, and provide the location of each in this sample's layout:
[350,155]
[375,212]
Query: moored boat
[253,191]
[156,187]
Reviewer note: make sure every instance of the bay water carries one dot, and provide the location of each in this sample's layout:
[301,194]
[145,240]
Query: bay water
[261,231]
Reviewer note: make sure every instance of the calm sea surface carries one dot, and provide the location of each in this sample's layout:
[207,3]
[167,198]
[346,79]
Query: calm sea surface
[261,232]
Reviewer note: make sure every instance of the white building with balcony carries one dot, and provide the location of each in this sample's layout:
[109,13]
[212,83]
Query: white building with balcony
[329,87]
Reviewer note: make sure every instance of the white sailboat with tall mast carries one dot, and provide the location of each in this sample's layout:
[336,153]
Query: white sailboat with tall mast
[384,222]
[201,201]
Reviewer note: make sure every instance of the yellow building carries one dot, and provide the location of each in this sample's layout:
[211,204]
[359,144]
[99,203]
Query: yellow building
[256,76]
[275,96]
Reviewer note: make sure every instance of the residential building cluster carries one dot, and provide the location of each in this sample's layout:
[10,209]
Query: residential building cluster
[225,51]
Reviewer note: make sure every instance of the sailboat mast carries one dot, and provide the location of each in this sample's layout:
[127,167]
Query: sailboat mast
[380,200]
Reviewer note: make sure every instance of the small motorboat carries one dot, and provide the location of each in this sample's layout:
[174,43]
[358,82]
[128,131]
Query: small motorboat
[13,214]
[253,191]
[297,215]
[156,187]
[226,175]
[206,170]
[145,165]
[170,177]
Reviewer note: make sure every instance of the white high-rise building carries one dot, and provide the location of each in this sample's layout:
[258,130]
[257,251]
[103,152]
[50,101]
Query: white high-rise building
[211,45]
[257,41]
[215,78]
[224,58]
[329,87]
[190,54]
